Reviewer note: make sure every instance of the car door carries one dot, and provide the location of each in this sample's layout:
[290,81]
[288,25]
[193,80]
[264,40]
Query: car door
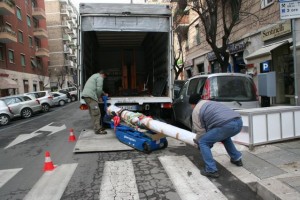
[15,104]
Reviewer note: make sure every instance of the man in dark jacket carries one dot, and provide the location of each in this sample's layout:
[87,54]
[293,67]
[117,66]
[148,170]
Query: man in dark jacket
[214,122]
[92,93]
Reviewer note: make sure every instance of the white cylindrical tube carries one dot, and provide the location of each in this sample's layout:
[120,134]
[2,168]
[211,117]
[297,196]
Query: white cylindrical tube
[153,125]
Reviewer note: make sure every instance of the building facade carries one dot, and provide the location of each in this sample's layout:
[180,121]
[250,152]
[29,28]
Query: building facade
[62,29]
[261,42]
[23,47]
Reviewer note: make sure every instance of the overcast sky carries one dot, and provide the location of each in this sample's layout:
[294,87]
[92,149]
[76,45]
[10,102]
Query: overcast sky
[76,2]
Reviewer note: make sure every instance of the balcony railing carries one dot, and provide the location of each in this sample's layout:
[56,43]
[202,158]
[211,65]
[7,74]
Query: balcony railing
[39,13]
[7,7]
[64,1]
[40,33]
[41,52]
[69,63]
[7,35]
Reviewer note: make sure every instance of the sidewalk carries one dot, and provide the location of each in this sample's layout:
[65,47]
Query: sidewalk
[272,170]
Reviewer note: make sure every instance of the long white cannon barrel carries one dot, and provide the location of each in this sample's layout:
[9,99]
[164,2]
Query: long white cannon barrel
[153,125]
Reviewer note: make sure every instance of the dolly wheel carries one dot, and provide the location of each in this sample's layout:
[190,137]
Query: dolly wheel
[165,144]
[147,148]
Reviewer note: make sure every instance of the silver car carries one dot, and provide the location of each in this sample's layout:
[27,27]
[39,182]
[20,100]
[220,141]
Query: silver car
[45,98]
[60,99]
[22,105]
[5,114]
[235,90]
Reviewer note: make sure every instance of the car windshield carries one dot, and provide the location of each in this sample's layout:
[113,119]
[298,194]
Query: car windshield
[235,88]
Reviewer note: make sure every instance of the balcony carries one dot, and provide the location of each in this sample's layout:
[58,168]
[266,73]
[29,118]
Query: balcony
[64,1]
[7,7]
[71,32]
[67,50]
[40,33]
[41,52]
[71,44]
[66,25]
[38,13]
[67,37]
[7,35]
[69,63]
[64,12]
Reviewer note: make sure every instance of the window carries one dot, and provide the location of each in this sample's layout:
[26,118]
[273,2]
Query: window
[20,36]
[28,21]
[11,56]
[19,15]
[33,63]
[1,53]
[265,3]
[197,36]
[30,41]
[23,63]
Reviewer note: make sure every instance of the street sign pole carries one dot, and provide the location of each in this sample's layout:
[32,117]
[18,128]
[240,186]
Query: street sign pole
[295,62]
[291,10]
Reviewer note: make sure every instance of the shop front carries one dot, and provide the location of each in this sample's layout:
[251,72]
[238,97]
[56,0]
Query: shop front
[8,86]
[276,55]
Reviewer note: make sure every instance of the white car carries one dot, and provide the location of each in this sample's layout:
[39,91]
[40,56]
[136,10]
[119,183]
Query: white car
[60,99]
[72,91]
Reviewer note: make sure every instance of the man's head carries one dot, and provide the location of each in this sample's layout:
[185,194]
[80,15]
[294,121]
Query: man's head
[194,99]
[103,73]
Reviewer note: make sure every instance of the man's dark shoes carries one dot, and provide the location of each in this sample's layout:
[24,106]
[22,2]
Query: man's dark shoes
[209,174]
[238,163]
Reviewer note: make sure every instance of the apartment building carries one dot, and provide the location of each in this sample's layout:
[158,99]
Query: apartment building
[23,47]
[260,42]
[62,30]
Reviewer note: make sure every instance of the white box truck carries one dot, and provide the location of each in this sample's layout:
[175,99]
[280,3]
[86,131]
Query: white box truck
[133,44]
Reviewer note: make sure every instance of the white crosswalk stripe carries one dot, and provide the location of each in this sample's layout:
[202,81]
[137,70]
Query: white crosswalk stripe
[189,184]
[7,174]
[119,181]
[52,184]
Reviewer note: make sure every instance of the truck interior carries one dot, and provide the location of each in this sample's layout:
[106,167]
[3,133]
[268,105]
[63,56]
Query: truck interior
[136,63]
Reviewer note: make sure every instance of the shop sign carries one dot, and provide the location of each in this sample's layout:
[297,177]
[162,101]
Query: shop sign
[211,56]
[276,31]
[236,47]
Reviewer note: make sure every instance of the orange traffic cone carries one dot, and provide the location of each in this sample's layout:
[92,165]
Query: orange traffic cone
[48,165]
[72,137]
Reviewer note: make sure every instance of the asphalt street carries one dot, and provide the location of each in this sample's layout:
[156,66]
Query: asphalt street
[23,144]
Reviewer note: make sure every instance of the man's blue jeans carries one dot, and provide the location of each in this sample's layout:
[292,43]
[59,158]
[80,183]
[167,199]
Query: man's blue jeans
[220,134]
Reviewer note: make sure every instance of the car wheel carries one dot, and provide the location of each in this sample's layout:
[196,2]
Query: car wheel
[73,98]
[147,148]
[62,102]
[69,100]
[4,119]
[26,113]
[45,107]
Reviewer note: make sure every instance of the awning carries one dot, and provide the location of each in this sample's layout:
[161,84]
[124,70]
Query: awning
[266,50]
[7,83]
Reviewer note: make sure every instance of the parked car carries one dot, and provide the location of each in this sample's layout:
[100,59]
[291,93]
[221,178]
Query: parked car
[60,99]
[67,93]
[5,114]
[235,90]
[45,98]
[22,105]
[72,91]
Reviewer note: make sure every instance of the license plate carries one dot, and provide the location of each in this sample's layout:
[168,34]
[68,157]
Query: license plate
[133,108]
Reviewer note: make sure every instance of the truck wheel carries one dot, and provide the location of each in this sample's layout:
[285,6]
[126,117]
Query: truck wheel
[147,148]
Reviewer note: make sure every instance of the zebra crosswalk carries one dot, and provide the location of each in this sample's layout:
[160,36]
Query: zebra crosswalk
[119,181]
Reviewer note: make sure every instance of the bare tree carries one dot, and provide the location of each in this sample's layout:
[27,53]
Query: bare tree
[42,75]
[216,26]
[61,76]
